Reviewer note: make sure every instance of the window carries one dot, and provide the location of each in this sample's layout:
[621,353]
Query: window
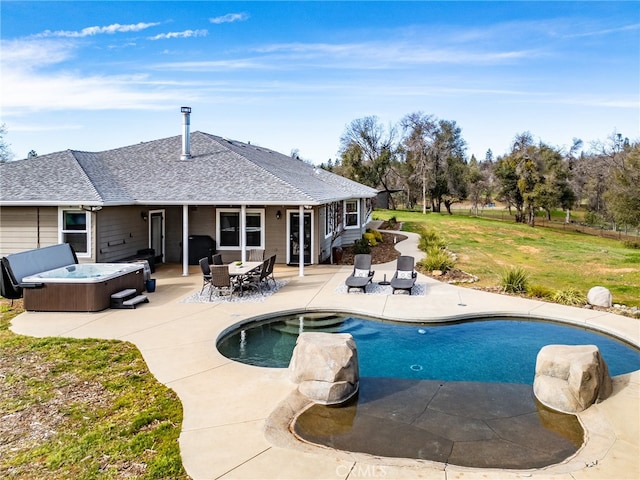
[351,213]
[330,218]
[75,229]
[228,227]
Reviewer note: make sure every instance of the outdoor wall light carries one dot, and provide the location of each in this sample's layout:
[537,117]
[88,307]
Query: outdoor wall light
[278,215]
[144,215]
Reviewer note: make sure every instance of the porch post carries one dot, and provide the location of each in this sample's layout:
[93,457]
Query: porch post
[301,241]
[243,233]
[185,240]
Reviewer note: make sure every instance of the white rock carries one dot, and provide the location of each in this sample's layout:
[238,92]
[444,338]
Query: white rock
[600,297]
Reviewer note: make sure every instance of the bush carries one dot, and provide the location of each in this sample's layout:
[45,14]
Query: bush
[370,239]
[635,244]
[430,238]
[594,219]
[539,291]
[569,296]
[514,280]
[437,259]
[376,234]
[361,246]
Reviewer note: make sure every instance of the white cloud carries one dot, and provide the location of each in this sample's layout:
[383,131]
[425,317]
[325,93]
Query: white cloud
[91,31]
[183,34]
[230,18]
[29,84]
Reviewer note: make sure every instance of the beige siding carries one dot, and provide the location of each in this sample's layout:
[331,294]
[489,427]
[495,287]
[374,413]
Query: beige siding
[120,232]
[26,228]
[276,233]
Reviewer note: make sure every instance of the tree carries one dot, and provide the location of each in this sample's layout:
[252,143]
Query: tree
[534,177]
[367,150]
[419,136]
[623,194]
[451,147]
[32,154]
[5,152]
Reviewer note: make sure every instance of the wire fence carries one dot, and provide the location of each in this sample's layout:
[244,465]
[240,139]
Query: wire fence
[624,234]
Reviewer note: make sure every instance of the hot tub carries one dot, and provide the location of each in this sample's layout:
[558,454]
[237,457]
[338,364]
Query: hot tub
[82,287]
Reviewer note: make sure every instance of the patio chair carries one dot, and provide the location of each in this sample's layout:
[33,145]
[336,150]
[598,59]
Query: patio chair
[362,274]
[405,276]
[206,273]
[255,255]
[256,279]
[222,282]
[272,263]
[217,259]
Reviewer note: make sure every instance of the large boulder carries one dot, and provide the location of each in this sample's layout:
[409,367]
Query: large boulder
[571,378]
[600,297]
[325,367]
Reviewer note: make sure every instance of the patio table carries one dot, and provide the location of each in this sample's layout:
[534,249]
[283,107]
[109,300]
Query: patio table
[240,272]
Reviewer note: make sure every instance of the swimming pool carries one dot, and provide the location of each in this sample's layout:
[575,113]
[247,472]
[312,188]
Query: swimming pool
[496,350]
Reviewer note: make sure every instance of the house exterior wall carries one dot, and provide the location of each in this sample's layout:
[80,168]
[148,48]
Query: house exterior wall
[119,232]
[26,228]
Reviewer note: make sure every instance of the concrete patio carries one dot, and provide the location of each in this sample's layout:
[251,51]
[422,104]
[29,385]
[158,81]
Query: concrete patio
[226,403]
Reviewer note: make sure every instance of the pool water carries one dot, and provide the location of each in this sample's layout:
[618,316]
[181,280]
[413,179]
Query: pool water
[497,350]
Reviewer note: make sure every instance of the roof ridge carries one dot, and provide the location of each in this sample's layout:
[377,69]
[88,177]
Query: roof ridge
[257,165]
[85,173]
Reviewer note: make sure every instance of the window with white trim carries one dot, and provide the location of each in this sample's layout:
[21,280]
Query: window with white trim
[75,229]
[351,213]
[330,216]
[228,228]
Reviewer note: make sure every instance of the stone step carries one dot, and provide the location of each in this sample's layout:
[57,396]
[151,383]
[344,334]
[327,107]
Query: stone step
[124,294]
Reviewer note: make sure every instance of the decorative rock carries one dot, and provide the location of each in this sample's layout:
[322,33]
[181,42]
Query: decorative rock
[571,378]
[325,365]
[600,297]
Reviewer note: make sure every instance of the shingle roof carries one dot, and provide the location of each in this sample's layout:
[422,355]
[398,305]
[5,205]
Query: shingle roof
[220,172]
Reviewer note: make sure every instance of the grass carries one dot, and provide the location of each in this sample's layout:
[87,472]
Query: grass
[553,259]
[83,409]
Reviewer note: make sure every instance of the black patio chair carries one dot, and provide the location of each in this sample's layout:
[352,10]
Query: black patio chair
[206,273]
[405,277]
[362,274]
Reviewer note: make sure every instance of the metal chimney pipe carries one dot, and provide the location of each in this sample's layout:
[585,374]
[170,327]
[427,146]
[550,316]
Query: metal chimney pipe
[186,122]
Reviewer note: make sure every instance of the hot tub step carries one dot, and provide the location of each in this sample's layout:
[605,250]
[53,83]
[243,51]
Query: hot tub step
[131,303]
[127,298]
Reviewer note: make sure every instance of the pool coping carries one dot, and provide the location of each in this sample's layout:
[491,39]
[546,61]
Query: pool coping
[227,405]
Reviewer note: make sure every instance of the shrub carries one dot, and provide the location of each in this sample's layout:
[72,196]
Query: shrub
[430,238]
[376,234]
[361,246]
[514,280]
[437,259]
[594,219]
[569,296]
[632,244]
[540,291]
[370,238]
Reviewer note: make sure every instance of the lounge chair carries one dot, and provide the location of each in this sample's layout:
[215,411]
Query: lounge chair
[206,273]
[362,274]
[405,276]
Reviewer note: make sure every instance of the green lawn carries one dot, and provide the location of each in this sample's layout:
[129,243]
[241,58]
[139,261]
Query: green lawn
[555,259]
[83,409]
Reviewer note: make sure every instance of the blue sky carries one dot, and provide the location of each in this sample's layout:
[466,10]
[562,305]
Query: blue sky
[291,75]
